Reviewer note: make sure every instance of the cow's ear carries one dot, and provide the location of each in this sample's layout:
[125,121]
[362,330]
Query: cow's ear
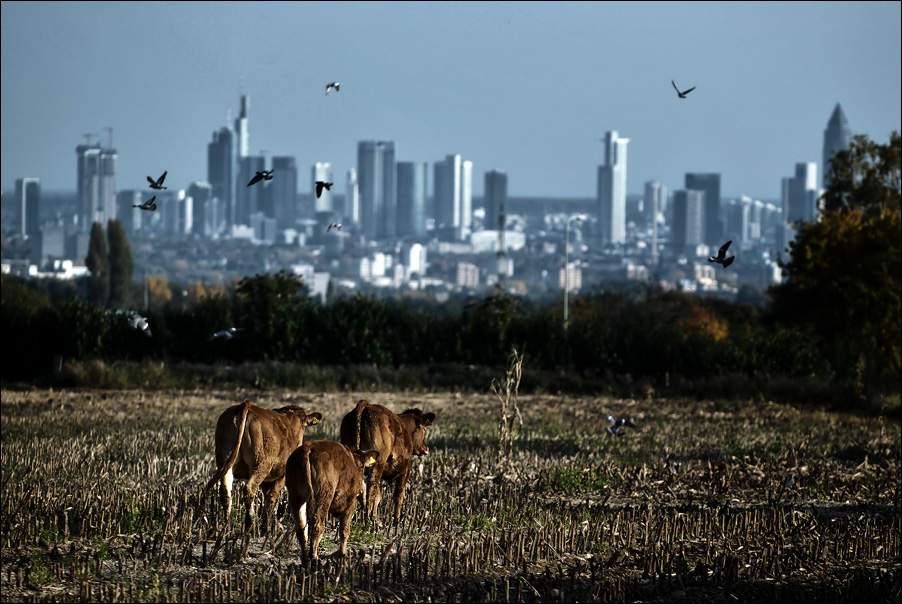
[428,418]
[314,418]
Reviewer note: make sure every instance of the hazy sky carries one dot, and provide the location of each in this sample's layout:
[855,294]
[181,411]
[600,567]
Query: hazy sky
[527,88]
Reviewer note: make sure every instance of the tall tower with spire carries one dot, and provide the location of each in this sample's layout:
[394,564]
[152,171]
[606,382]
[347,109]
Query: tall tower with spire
[837,137]
[612,189]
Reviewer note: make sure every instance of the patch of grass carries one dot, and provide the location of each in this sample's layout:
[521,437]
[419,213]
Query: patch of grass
[38,573]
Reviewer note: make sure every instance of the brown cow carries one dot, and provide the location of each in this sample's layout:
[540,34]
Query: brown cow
[324,478]
[253,444]
[397,438]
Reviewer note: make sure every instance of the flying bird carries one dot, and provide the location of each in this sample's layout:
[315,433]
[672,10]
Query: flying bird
[320,185]
[225,334]
[683,94]
[140,323]
[158,183]
[147,205]
[721,258]
[332,85]
[617,425]
[334,225]
[264,175]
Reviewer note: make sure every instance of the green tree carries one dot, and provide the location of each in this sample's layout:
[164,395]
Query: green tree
[843,279]
[121,265]
[98,262]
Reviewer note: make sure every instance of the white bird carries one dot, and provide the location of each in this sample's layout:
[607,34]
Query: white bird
[158,183]
[332,85]
[683,94]
[147,205]
[227,334]
[261,175]
[616,427]
[721,258]
[320,185]
[140,323]
[334,225]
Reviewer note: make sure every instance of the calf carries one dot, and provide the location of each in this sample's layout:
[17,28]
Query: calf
[324,478]
[253,444]
[397,438]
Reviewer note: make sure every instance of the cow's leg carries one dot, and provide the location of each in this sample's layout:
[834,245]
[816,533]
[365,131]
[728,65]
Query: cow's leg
[400,487]
[250,492]
[374,490]
[272,492]
[225,494]
[320,514]
[298,506]
[344,529]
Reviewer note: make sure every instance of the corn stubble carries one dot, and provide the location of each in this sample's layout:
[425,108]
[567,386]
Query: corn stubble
[755,502]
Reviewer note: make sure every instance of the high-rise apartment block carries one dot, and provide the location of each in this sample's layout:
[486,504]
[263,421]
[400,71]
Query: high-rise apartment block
[222,163]
[495,198]
[96,185]
[800,194]
[688,226]
[453,197]
[612,189]
[322,171]
[28,201]
[376,181]
[710,184]
[282,192]
[412,197]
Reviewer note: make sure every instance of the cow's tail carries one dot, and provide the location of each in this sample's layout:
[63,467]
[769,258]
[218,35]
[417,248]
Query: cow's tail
[358,412]
[246,405]
[311,500]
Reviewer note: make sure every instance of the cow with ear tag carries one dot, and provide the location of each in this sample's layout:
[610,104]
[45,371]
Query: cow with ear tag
[253,444]
[397,438]
[324,478]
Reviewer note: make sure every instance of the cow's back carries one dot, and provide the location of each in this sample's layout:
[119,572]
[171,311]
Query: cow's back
[379,428]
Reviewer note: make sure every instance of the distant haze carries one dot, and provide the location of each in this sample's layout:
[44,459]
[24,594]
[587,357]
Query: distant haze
[529,88]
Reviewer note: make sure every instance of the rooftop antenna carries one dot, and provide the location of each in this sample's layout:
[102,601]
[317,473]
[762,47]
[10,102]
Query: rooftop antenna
[110,130]
[88,138]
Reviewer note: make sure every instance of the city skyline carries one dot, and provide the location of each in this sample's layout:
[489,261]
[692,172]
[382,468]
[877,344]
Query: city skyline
[530,90]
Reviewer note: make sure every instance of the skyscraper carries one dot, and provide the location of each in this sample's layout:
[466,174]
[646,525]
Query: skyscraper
[495,197]
[412,198]
[612,189]
[283,191]
[352,198]
[96,185]
[376,183]
[655,203]
[242,127]
[710,184]
[453,196]
[222,161]
[688,219]
[206,216]
[837,137]
[321,171]
[28,200]
[250,199]
[800,194]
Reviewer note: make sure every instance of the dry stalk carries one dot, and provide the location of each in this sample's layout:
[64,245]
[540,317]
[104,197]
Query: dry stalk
[507,392]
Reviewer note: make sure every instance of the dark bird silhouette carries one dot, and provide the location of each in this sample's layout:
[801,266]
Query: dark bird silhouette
[264,175]
[334,225]
[158,183]
[617,425]
[147,205]
[140,323]
[683,94]
[332,85]
[320,185]
[225,334]
[721,258]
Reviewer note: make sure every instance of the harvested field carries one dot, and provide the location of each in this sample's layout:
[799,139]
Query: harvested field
[706,501]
